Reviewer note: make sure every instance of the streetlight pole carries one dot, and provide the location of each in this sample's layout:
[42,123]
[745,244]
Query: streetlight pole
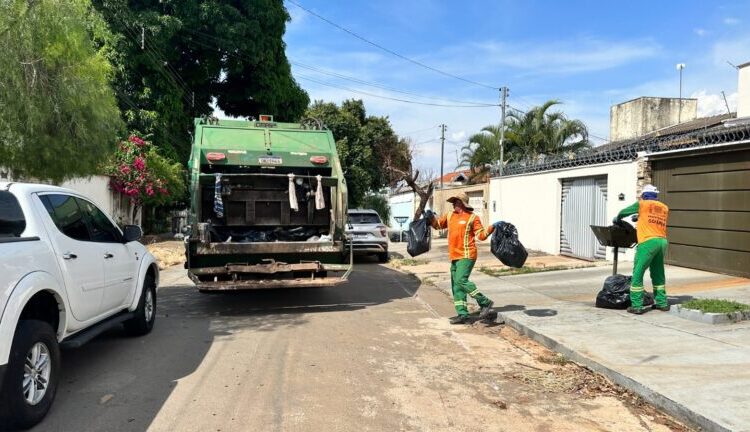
[503,95]
[680,67]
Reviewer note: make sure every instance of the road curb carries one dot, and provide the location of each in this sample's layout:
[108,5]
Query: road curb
[675,409]
[660,401]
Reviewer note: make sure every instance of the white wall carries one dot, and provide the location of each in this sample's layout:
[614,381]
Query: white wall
[98,190]
[532,202]
[401,205]
[743,90]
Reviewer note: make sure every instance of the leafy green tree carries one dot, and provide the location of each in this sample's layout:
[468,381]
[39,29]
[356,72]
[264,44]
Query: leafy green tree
[366,146]
[380,204]
[175,58]
[58,114]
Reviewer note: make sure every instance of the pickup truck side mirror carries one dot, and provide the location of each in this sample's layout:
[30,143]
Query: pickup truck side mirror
[131,233]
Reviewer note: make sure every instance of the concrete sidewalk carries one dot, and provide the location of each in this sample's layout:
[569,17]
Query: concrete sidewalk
[698,372]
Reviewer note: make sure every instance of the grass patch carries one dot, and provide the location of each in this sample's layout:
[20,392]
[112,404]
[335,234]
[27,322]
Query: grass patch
[715,306]
[408,262]
[507,271]
[555,359]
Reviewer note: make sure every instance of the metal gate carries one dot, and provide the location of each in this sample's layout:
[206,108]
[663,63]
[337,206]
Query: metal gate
[584,203]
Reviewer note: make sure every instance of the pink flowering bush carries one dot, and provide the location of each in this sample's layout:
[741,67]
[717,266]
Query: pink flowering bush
[138,171]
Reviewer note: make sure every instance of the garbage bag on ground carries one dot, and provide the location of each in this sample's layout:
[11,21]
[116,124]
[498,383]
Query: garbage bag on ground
[420,237]
[615,293]
[506,246]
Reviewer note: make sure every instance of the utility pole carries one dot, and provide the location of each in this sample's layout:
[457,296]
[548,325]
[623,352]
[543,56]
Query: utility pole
[442,152]
[503,96]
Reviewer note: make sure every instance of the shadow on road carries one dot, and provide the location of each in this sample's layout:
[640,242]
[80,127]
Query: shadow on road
[118,383]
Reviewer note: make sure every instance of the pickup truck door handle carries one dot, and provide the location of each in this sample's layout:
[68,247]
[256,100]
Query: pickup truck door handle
[69,256]
[108,255]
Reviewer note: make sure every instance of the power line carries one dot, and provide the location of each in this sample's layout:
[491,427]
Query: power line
[160,66]
[391,98]
[350,78]
[382,86]
[388,50]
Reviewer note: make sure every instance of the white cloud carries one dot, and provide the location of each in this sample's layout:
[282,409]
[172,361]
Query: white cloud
[700,32]
[564,57]
[713,104]
[731,21]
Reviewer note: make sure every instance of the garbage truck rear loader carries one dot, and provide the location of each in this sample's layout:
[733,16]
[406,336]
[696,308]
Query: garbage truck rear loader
[268,206]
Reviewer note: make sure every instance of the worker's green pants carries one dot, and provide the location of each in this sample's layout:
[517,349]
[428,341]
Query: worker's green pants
[461,285]
[649,255]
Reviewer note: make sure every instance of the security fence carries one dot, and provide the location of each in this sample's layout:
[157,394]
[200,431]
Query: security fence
[629,149]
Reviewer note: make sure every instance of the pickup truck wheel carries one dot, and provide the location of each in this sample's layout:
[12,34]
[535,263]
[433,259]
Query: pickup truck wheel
[33,371]
[145,314]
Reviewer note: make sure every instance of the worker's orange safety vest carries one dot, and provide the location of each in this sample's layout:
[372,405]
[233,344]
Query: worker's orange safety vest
[462,230]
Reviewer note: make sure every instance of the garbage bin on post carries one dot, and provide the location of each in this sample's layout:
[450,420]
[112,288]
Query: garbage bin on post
[616,236]
[401,220]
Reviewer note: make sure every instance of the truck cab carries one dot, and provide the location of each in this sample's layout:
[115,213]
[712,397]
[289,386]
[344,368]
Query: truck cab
[268,206]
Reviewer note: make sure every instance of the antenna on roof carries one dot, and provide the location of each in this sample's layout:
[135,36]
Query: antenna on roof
[725,102]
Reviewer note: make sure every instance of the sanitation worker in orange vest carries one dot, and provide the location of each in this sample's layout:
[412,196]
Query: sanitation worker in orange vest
[652,245]
[463,227]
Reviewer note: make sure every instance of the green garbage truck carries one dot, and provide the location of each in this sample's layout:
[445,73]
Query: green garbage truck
[268,206]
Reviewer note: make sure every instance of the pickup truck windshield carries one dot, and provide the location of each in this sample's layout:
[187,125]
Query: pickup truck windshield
[12,221]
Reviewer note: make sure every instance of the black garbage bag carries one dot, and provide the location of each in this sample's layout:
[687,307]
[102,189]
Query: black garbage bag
[615,293]
[506,246]
[420,237]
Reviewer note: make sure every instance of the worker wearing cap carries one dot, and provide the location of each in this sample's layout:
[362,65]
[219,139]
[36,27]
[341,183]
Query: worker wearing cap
[652,245]
[463,227]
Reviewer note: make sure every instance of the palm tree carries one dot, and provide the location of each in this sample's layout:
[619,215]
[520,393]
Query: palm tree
[527,136]
[539,132]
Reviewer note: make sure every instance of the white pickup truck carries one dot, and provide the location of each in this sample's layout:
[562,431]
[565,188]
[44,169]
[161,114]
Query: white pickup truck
[67,274]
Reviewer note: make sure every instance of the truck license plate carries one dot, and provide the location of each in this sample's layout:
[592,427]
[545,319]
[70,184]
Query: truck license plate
[270,161]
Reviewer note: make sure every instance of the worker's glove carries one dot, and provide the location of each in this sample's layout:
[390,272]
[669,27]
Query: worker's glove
[634,218]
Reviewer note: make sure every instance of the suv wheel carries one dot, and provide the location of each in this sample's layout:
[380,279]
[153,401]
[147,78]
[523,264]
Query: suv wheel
[31,378]
[145,314]
[383,257]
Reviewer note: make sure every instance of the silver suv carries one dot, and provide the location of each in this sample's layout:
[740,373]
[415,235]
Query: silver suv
[369,234]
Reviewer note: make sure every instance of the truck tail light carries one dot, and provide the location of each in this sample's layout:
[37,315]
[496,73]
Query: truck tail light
[215,156]
[319,160]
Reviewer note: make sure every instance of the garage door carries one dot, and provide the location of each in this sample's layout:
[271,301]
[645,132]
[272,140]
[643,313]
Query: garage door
[709,201]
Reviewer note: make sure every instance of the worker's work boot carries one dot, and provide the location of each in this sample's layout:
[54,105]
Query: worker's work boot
[459,319]
[486,309]
[664,308]
[637,311]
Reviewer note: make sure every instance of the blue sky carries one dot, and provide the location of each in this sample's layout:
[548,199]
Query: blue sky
[588,54]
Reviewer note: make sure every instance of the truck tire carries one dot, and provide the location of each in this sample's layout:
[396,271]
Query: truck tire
[31,379]
[145,313]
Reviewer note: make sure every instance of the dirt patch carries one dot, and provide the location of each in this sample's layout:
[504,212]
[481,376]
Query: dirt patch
[168,253]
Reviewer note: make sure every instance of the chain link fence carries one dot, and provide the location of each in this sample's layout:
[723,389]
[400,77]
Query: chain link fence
[628,150]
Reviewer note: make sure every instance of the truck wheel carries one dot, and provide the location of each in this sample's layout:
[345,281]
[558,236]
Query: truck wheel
[32,375]
[383,257]
[145,314]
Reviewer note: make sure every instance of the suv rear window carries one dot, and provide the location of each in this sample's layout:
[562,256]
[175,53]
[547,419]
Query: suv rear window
[364,218]
[12,220]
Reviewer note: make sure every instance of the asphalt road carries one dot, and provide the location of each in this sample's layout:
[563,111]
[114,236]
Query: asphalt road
[374,355]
